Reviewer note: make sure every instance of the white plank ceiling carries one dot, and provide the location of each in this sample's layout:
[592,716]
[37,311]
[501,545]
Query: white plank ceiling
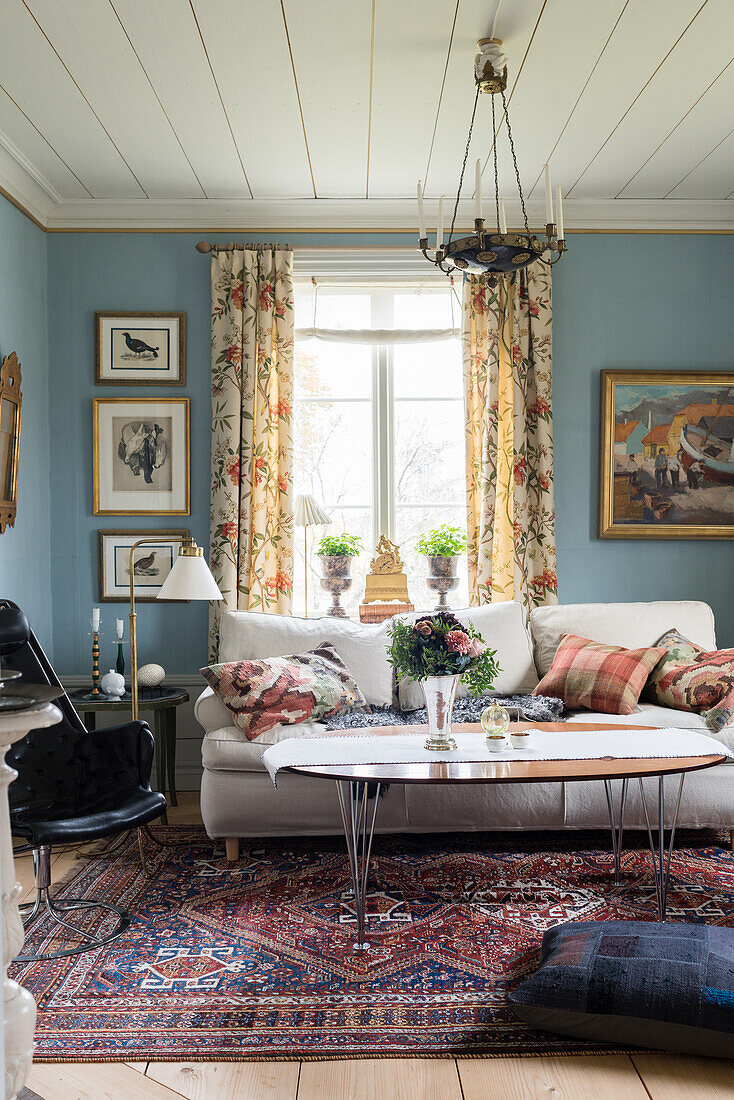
[322,114]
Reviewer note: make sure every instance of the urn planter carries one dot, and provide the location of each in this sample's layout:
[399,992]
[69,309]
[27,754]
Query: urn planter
[336,579]
[442,577]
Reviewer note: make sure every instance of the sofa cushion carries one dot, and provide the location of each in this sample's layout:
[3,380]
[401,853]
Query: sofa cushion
[300,687]
[636,983]
[600,677]
[502,625]
[689,678]
[249,635]
[228,750]
[632,625]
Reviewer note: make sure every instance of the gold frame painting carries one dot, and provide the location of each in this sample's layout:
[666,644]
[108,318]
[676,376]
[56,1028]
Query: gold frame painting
[11,405]
[141,456]
[108,541]
[139,348]
[667,455]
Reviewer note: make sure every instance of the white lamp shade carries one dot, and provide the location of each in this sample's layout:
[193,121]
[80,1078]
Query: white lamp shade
[190,579]
[307,512]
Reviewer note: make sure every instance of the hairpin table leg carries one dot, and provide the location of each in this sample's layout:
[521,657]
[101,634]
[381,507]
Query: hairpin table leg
[660,855]
[617,827]
[359,828]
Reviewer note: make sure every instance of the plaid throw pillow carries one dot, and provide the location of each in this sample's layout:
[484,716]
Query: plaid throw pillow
[303,687]
[599,677]
[690,678]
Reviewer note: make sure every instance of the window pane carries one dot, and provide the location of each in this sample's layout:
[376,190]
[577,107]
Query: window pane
[412,522]
[429,452]
[356,521]
[427,309]
[334,309]
[428,370]
[332,370]
[333,452]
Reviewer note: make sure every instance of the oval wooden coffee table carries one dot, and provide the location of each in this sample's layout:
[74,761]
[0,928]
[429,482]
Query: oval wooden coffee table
[359,784]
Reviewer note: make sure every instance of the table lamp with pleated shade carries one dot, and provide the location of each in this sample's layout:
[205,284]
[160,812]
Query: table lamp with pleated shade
[307,512]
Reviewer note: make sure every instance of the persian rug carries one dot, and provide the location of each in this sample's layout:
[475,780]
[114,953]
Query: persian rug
[253,959]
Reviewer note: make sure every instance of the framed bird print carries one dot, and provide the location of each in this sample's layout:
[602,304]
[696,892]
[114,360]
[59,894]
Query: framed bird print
[148,349]
[151,564]
[141,456]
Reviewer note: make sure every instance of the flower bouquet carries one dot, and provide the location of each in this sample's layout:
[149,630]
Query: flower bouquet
[438,651]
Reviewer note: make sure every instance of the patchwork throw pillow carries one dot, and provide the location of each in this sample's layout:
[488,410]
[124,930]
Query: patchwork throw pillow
[690,678]
[303,687]
[607,678]
[637,983]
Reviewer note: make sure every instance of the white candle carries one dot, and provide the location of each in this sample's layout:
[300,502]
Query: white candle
[119,627]
[439,231]
[559,212]
[503,218]
[548,196]
[421,214]
[95,619]
[478,188]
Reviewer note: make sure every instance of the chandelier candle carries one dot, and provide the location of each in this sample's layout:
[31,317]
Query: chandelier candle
[421,215]
[478,189]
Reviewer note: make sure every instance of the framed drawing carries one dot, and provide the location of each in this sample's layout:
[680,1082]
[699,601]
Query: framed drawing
[141,456]
[150,567]
[10,407]
[146,348]
[667,455]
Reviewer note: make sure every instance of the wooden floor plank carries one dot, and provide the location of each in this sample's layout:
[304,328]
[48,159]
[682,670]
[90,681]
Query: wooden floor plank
[187,812]
[572,1078]
[680,1077]
[380,1079]
[95,1082]
[228,1080]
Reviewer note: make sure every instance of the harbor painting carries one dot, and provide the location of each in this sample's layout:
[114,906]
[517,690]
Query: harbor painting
[667,454]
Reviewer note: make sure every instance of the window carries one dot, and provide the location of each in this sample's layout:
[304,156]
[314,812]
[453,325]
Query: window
[379,429]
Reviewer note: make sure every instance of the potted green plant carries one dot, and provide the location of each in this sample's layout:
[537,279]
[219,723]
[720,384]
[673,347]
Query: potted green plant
[438,651]
[442,548]
[336,553]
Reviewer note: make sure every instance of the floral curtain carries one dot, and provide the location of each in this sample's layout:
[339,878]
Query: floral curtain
[251,531]
[507,354]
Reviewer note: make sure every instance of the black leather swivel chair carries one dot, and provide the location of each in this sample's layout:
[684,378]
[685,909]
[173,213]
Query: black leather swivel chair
[72,786]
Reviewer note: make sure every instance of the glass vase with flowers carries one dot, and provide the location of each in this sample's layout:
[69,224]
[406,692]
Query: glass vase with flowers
[438,651]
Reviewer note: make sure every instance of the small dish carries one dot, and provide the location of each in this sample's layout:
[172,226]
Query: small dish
[521,739]
[496,742]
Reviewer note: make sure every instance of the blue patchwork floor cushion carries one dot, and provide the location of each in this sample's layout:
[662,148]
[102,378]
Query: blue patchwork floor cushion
[665,986]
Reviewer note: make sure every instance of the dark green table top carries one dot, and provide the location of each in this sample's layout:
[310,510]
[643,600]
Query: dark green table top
[158,699]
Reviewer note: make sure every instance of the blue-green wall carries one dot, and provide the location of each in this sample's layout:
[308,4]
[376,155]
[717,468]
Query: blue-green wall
[25,555]
[655,302]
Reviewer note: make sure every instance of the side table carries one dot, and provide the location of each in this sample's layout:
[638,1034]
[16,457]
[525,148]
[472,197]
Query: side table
[163,703]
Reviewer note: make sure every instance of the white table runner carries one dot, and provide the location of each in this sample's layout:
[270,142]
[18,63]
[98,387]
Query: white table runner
[407,748]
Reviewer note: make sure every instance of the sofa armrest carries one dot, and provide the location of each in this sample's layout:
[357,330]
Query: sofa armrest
[210,712]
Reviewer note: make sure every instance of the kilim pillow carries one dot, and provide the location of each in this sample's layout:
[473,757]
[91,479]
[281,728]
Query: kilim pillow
[637,983]
[599,677]
[303,687]
[690,678]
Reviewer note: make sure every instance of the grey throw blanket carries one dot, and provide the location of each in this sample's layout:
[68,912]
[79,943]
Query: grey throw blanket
[534,708]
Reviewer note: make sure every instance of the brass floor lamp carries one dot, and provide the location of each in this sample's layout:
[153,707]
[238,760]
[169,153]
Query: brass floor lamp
[307,512]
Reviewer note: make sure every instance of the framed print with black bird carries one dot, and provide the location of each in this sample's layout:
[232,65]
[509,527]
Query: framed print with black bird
[148,349]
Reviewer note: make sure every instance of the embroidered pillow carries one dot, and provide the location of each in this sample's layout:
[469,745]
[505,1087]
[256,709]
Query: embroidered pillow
[303,687]
[690,678]
[607,678]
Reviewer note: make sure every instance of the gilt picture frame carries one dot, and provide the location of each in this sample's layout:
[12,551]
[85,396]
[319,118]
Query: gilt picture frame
[11,405]
[666,455]
[151,566]
[141,460]
[144,349]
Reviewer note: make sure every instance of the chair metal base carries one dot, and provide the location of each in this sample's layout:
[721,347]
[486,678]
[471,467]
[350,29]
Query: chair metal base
[56,910]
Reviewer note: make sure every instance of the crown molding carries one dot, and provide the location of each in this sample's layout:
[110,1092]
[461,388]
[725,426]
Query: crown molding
[289,216]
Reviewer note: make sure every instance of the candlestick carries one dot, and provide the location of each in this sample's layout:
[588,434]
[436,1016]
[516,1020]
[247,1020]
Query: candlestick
[95,662]
[439,231]
[421,214]
[503,219]
[95,619]
[478,188]
[548,195]
[559,212]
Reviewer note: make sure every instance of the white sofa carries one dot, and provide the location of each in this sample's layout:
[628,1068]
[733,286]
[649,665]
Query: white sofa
[238,798]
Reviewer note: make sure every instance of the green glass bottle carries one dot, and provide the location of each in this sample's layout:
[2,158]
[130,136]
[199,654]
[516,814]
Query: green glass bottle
[120,666]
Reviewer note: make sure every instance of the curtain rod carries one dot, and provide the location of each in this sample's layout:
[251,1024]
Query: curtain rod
[207,246]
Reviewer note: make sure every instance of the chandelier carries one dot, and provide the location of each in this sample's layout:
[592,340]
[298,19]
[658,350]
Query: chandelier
[493,251]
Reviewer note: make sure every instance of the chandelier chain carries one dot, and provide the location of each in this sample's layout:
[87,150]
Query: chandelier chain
[463,167]
[496,183]
[514,161]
